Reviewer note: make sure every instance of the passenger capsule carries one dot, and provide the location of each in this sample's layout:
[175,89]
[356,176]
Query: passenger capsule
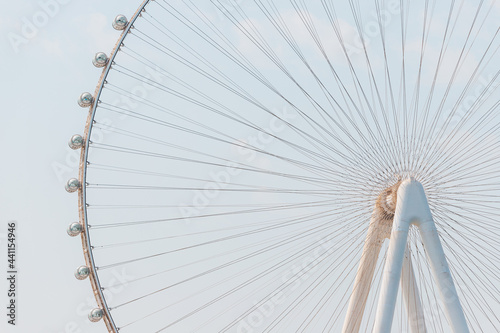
[120,22]
[95,315]
[74,229]
[72,185]
[82,272]
[85,100]
[76,142]
[100,59]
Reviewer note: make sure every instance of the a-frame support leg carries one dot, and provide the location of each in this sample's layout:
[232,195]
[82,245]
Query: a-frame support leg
[412,208]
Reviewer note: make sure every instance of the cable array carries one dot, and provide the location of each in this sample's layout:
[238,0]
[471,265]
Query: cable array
[239,147]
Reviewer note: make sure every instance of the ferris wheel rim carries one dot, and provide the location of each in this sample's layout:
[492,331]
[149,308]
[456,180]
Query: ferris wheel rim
[82,193]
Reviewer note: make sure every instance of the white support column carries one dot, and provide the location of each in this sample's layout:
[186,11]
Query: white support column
[411,296]
[442,276]
[412,207]
[392,274]
[364,276]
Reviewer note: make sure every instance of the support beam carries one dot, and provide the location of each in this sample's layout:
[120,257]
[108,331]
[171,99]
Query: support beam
[391,276]
[411,296]
[442,276]
[412,208]
[364,277]
[378,230]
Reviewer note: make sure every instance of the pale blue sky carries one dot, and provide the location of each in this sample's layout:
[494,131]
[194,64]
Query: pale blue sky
[43,71]
[40,84]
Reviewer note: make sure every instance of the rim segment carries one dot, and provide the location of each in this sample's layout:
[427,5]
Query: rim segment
[82,193]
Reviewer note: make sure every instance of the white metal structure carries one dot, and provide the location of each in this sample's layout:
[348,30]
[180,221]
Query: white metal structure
[260,166]
[412,208]
[398,208]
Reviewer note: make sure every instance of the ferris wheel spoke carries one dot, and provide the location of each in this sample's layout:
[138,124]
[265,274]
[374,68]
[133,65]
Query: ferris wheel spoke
[223,239]
[365,140]
[248,270]
[248,311]
[162,123]
[280,244]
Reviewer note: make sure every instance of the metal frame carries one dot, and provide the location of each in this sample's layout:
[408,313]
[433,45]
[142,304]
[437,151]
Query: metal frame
[82,195]
[411,208]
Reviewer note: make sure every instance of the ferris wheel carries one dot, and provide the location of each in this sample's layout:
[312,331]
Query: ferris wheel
[294,166]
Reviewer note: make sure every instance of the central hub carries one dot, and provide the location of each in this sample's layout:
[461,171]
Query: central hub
[386,208]
[387,200]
